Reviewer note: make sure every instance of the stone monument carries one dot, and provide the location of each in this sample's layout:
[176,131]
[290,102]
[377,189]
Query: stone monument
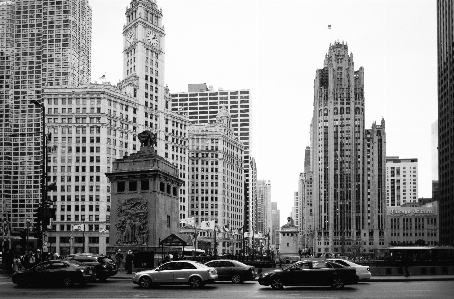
[144,198]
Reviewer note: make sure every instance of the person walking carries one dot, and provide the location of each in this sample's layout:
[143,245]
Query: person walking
[17,266]
[129,260]
[119,258]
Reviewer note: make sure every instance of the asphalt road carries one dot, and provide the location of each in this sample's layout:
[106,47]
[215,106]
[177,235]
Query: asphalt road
[126,289]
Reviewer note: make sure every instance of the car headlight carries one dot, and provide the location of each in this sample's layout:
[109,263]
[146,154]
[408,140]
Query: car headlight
[266,274]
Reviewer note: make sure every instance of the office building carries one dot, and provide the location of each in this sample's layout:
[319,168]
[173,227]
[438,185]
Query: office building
[275,225]
[251,225]
[143,73]
[340,153]
[445,40]
[434,149]
[263,220]
[401,181]
[216,180]
[42,43]
[413,224]
[202,104]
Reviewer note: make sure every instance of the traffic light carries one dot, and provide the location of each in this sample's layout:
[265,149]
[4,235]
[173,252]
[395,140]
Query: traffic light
[49,213]
[23,239]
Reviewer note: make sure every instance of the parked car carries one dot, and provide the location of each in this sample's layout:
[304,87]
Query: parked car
[87,270]
[102,265]
[232,270]
[314,273]
[194,274]
[52,272]
[362,272]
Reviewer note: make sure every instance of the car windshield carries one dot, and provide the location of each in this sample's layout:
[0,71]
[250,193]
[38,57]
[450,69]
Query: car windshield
[199,265]
[74,262]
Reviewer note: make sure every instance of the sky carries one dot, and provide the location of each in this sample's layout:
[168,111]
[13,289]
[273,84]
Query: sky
[274,47]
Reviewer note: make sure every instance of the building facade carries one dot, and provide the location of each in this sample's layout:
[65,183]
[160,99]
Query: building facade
[42,43]
[216,181]
[202,104]
[401,181]
[413,224]
[91,126]
[251,225]
[275,225]
[143,73]
[445,40]
[341,179]
[263,219]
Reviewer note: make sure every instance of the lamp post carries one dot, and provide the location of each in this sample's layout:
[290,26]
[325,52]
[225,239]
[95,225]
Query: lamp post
[43,169]
[28,230]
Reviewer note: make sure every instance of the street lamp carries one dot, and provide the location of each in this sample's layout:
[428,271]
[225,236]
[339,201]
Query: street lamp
[44,170]
[28,231]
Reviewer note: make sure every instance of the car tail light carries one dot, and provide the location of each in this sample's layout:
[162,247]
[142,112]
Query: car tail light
[368,269]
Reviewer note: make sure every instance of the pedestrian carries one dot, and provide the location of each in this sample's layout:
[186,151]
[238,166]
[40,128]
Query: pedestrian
[17,266]
[129,260]
[119,258]
[31,259]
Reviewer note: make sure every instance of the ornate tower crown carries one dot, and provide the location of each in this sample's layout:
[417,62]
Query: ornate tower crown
[224,117]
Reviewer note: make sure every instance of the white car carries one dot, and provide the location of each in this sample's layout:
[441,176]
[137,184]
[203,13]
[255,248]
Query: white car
[362,272]
[194,274]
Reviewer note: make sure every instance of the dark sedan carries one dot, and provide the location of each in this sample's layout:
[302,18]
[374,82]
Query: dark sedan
[312,273]
[52,273]
[102,265]
[233,270]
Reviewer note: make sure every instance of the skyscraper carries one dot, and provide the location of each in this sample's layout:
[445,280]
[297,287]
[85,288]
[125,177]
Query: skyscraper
[216,179]
[202,103]
[42,43]
[342,212]
[143,72]
[445,40]
[402,181]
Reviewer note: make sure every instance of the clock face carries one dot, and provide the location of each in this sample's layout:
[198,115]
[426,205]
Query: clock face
[153,39]
[130,37]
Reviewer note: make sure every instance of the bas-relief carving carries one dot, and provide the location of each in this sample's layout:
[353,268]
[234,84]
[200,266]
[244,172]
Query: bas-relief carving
[132,223]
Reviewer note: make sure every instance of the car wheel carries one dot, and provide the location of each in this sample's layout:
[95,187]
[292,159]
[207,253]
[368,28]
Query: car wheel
[145,282]
[101,277]
[195,282]
[21,283]
[277,284]
[236,278]
[67,282]
[338,283]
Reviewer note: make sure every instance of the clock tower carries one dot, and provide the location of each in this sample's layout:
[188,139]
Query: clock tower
[143,60]
[143,79]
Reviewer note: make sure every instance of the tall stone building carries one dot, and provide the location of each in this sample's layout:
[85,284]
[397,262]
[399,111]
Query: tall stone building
[275,225]
[143,72]
[263,219]
[343,210]
[202,103]
[42,43]
[216,180]
[107,119]
[445,40]
[251,225]
[402,181]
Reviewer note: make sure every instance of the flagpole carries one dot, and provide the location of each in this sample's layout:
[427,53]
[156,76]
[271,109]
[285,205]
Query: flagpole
[83,237]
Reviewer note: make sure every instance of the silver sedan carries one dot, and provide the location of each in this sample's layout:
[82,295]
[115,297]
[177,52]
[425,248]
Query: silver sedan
[192,273]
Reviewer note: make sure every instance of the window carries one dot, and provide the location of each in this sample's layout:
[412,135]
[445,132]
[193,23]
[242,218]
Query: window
[168,221]
[121,186]
[145,185]
[133,186]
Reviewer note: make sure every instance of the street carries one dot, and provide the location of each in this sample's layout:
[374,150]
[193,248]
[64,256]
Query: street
[126,289]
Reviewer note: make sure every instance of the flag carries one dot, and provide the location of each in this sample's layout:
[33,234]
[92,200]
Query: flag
[207,224]
[188,221]
[226,228]
[246,234]
[78,227]
[329,26]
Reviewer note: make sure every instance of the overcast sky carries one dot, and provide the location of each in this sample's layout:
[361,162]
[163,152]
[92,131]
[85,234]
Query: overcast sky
[274,48]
